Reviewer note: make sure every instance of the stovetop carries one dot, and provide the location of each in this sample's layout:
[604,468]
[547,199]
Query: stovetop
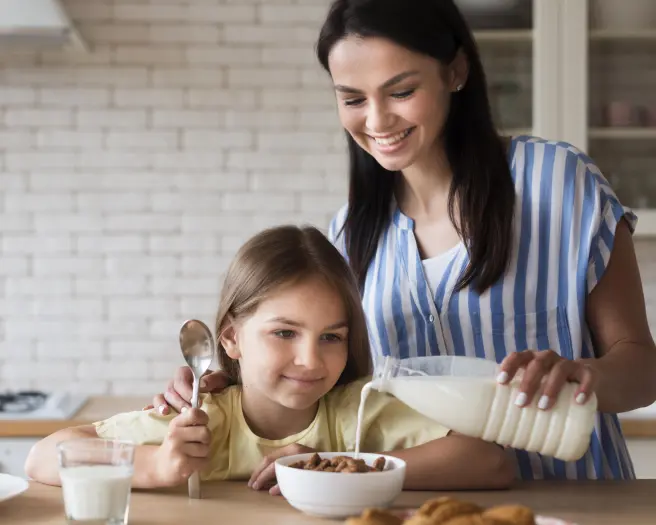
[34,404]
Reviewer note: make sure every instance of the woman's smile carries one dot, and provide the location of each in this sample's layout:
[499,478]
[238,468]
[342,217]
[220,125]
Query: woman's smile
[391,143]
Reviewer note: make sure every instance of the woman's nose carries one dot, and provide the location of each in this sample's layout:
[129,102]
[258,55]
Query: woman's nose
[379,119]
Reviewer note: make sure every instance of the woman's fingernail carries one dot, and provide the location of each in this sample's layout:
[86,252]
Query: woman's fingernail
[162,410]
[203,382]
[255,486]
[543,403]
[580,399]
[184,409]
[520,400]
[502,377]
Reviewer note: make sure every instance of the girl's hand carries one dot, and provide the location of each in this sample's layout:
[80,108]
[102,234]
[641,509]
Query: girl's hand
[185,449]
[178,393]
[546,371]
[265,474]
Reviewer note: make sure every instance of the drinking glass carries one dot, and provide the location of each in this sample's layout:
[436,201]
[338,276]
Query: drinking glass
[96,478]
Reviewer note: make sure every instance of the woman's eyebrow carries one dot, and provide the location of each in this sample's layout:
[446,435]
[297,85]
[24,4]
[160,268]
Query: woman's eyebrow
[389,83]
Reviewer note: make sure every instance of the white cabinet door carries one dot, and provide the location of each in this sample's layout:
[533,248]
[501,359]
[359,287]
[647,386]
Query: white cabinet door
[547,70]
[13,452]
[643,454]
[519,50]
[608,95]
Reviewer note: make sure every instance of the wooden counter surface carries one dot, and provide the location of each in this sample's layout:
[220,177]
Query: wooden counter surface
[95,409]
[583,503]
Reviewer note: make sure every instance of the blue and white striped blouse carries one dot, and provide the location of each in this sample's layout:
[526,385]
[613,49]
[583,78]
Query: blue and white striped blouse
[565,220]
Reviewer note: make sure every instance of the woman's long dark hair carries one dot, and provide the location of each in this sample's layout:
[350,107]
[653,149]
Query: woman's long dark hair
[482,185]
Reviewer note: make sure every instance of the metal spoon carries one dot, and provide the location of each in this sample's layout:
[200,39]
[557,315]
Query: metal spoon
[197,346]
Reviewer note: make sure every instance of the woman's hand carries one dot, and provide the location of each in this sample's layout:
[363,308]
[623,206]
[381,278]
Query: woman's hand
[264,475]
[547,372]
[185,450]
[179,390]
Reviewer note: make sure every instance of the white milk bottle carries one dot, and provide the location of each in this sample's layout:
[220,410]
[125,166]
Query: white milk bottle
[462,394]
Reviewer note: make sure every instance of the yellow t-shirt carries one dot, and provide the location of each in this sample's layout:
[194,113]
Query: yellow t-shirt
[236,451]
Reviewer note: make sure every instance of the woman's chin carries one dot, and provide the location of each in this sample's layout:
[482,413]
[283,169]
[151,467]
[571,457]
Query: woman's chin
[393,164]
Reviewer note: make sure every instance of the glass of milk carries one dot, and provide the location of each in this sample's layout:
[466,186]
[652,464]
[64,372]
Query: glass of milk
[96,478]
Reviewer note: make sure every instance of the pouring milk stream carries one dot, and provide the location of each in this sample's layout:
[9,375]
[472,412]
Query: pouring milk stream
[462,394]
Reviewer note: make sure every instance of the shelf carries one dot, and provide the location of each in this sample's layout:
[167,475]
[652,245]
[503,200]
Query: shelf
[615,35]
[623,133]
[503,35]
[646,223]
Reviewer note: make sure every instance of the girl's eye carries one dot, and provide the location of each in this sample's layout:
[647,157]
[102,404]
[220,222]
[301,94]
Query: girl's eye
[331,337]
[403,94]
[284,334]
[353,101]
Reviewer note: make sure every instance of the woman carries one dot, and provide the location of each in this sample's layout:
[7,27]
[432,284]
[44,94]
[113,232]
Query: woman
[467,243]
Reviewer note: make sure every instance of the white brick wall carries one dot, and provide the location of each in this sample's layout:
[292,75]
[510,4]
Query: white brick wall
[129,176]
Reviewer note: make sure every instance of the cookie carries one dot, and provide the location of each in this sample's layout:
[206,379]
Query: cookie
[511,514]
[419,519]
[375,517]
[473,519]
[441,510]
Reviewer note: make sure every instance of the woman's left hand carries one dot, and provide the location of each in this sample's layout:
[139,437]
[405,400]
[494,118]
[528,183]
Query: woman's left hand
[546,371]
[264,476]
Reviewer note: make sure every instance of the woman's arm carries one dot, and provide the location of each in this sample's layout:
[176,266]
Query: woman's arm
[456,462]
[623,372]
[625,368]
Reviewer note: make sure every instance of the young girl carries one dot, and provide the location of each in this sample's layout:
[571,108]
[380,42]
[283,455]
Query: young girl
[292,336]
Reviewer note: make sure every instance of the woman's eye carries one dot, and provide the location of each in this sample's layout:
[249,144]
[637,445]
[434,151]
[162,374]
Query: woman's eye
[284,334]
[353,101]
[404,94]
[331,337]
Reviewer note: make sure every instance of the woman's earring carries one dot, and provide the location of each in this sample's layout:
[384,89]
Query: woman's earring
[459,87]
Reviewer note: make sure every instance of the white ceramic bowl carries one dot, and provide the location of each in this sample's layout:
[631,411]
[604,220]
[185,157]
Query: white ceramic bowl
[335,494]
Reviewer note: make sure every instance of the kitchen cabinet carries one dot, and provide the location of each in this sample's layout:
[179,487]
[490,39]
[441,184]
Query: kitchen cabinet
[582,71]
[18,435]
[13,453]
[643,454]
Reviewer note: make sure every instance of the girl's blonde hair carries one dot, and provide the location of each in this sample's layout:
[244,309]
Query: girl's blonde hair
[283,256]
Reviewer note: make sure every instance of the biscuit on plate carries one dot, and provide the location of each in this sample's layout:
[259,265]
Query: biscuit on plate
[375,517]
[511,514]
[441,510]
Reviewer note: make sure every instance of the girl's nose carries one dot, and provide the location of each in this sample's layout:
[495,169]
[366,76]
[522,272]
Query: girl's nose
[309,355]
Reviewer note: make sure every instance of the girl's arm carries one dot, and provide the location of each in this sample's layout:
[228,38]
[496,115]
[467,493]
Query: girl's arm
[42,463]
[184,451]
[456,462]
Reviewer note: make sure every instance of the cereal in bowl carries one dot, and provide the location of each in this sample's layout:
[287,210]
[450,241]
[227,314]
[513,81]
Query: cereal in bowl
[344,464]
